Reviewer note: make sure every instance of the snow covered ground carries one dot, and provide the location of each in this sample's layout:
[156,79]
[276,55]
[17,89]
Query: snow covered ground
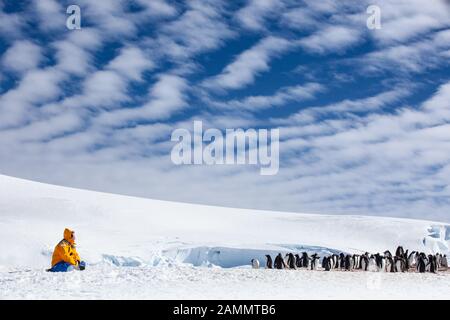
[188,282]
[142,248]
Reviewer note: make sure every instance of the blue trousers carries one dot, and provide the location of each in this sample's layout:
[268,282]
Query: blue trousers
[62,267]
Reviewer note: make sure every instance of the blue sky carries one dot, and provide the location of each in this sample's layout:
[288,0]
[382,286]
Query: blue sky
[363,114]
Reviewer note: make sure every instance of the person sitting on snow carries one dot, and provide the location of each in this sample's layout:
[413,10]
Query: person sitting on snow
[65,256]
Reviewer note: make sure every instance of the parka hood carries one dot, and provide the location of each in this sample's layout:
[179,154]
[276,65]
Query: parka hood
[68,235]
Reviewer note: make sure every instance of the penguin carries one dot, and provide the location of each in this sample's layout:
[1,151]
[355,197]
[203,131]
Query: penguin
[298,261]
[335,261]
[412,259]
[268,262]
[380,261]
[390,265]
[406,261]
[432,263]
[326,263]
[400,265]
[305,260]
[285,259]
[279,262]
[444,262]
[400,251]
[387,254]
[365,262]
[355,260]
[255,263]
[401,260]
[342,260]
[421,263]
[373,263]
[291,261]
[348,262]
[438,260]
[314,261]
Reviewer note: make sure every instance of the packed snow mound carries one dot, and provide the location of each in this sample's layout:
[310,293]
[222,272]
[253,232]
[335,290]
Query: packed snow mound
[128,231]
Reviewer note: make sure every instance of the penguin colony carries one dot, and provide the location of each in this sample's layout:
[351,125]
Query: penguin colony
[402,261]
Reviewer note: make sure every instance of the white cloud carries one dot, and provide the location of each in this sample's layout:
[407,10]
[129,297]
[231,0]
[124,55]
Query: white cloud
[131,62]
[331,39]
[51,15]
[308,15]
[279,98]
[414,57]
[108,16]
[200,28]
[11,26]
[157,8]
[253,16]
[22,56]
[247,65]
[36,87]
[372,105]
[74,53]
[47,128]
[405,20]
[166,97]
[104,89]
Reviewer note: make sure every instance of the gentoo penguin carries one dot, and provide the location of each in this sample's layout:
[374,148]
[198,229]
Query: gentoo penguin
[400,251]
[432,263]
[429,257]
[406,260]
[438,260]
[356,261]
[255,264]
[412,259]
[335,261]
[400,265]
[348,262]
[421,263]
[373,263]
[390,266]
[326,263]
[381,262]
[305,260]
[365,262]
[314,261]
[342,260]
[444,262]
[268,262]
[279,262]
[291,261]
[285,259]
[298,261]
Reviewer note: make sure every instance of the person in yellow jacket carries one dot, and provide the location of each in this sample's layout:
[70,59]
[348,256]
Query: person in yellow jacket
[65,256]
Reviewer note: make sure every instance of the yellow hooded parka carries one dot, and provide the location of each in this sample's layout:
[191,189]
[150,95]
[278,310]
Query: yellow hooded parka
[65,250]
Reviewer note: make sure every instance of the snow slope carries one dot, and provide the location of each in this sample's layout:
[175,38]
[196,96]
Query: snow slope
[116,231]
[131,231]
